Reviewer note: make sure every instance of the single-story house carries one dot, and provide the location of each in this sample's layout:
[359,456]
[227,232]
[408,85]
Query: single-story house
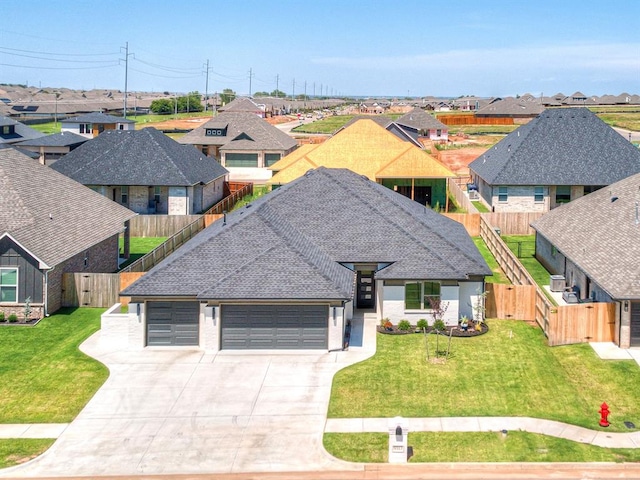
[52,147]
[594,243]
[90,125]
[559,156]
[13,132]
[369,149]
[245,144]
[419,123]
[287,271]
[63,227]
[147,172]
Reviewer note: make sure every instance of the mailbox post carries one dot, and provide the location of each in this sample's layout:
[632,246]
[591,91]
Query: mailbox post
[398,430]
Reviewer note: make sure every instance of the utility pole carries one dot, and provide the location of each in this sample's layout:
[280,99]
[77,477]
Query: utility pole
[126,75]
[250,75]
[305,90]
[314,89]
[277,91]
[293,95]
[206,87]
[320,89]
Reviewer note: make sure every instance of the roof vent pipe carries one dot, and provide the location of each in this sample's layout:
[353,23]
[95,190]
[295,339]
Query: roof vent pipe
[224,217]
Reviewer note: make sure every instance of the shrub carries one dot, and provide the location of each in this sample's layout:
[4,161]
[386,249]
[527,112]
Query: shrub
[2,319]
[422,324]
[13,318]
[404,325]
[387,324]
[439,326]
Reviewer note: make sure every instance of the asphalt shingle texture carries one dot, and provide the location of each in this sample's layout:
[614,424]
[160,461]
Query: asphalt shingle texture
[138,157]
[564,146]
[290,244]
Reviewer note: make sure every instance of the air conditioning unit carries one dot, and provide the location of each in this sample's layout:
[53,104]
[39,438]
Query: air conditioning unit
[557,283]
[473,195]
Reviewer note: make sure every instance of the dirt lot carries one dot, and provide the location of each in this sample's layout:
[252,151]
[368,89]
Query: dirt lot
[195,122]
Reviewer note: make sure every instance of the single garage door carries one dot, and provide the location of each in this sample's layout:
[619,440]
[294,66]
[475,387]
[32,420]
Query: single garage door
[274,326]
[172,323]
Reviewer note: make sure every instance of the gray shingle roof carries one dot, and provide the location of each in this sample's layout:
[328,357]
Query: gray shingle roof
[420,120]
[21,131]
[601,236]
[289,244]
[96,117]
[51,215]
[138,157]
[62,139]
[264,135]
[565,146]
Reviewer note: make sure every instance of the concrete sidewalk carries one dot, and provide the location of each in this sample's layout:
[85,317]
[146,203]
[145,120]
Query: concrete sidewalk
[32,430]
[552,428]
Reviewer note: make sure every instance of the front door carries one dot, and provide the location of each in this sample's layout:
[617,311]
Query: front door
[366,285]
[422,195]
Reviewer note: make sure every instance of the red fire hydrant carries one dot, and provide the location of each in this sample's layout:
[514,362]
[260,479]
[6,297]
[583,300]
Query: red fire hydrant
[604,413]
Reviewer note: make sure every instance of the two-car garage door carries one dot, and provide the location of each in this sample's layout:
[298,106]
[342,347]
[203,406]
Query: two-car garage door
[274,326]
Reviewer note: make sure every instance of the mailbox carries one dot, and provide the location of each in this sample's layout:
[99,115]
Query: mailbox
[398,450]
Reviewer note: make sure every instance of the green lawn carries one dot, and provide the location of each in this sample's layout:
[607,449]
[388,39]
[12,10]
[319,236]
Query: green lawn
[140,246]
[498,275]
[474,447]
[15,451]
[524,247]
[510,371]
[44,378]
[481,207]
[257,193]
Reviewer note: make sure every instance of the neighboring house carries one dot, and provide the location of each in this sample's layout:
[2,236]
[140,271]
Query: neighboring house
[522,109]
[370,150]
[419,123]
[594,243]
[244,104]
[50,225]
[50,148]
[287,271]
[146,171]
[561,155]
[243,143]
[13,132]
[386,123]
[90,125]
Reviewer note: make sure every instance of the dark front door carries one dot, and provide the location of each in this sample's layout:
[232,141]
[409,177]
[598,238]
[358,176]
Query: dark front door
[422,195]
[366,285]
[635,324]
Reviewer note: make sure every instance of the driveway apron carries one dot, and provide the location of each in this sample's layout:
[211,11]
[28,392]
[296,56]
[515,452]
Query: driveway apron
[184,411]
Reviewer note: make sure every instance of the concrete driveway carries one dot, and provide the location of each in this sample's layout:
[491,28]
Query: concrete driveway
[182,411]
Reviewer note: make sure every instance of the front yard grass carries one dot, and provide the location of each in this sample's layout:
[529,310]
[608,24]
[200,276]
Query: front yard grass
[509,371]
[44,378]
[474,447]
[15,451]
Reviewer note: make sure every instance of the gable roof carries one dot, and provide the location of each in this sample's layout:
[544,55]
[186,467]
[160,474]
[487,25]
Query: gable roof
[20,131]
[96,117]
[291,233]
[607,248]
[263,135]
[368,149]
[242,104]
[63,219]
[418,119]
[138,157]
[62,139]
[564,146]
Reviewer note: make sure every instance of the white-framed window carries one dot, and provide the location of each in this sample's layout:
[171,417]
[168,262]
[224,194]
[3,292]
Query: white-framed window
[85,128]
[8,285]
[156,194]
[417,294]
[538,194]
[124,195]
[503,194]
[563,194]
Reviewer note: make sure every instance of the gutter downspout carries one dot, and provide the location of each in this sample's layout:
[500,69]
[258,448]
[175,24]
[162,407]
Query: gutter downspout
[46,291]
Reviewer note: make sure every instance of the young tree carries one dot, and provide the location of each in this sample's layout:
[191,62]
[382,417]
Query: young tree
[227,95]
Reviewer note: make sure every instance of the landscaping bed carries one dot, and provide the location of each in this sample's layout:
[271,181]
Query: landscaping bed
[454,331]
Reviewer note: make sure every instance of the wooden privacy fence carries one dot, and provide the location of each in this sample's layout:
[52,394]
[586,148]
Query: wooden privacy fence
[159,225]
[472,119]
[525,300]
[460,197]
[99,290]
[227,203]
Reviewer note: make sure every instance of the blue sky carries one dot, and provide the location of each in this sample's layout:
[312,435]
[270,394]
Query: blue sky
[392,48]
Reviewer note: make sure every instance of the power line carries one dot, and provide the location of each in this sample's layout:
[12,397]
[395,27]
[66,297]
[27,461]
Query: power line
[60,54]
[59,68]
[54,59]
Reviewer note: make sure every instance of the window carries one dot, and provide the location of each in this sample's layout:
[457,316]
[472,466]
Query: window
[417,294]
[6,130]
[538,194]
[85,128]
[124,195]
[271,158]
[241,160]
[8,285]
[563,194]
[438,133]
[156,195]
[592,188]
[215,132]
[503,194]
